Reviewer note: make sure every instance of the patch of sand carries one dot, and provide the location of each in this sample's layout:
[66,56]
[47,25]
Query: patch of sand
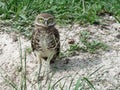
[82,64]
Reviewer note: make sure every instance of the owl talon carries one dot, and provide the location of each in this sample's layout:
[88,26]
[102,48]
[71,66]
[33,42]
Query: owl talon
[51,62]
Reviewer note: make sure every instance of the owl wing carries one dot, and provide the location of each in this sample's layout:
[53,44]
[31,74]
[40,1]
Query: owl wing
[35,40]
[56,40]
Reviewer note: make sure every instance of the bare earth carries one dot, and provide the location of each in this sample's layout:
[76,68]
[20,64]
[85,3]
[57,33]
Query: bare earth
[78,66]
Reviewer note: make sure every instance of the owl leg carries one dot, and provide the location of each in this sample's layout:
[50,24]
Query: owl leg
[39,67]
[48,71]
[39,77]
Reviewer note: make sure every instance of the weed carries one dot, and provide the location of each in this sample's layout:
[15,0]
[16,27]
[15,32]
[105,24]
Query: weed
[28,50]
[74,47]
[90,46]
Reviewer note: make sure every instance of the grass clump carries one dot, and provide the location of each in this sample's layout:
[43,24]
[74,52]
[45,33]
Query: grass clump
[67,11]
[28,50]
[74,47]
[86,44]
[91,46]
[23,12]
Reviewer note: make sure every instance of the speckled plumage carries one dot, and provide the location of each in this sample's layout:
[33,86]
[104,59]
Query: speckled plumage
[45,40]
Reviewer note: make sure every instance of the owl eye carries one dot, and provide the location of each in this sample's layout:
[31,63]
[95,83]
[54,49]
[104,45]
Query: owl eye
[40,20]
[50,20]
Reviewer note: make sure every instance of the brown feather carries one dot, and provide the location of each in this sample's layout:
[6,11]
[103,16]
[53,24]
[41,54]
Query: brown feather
[51,36]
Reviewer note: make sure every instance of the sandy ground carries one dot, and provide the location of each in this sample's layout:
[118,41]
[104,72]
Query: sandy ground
[78,66]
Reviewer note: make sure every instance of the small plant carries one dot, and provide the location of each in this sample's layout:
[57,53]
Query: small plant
[74,47]
[81,83]
[28,50]
[71,51]
[90,46]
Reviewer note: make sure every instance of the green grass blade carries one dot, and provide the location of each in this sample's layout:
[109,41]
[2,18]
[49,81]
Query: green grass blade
[96,70]
[78,84]
[58,82]
[24,73]
[89,83]
[72,81]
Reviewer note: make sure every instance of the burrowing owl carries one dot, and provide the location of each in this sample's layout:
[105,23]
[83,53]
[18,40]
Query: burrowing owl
[45,38]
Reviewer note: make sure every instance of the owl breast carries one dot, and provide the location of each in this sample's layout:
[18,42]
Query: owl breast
[47,45]
[47,41]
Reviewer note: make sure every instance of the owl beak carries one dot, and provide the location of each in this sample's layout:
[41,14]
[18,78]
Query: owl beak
[46,23]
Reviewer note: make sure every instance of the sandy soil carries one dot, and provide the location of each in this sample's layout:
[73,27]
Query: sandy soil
[78,66]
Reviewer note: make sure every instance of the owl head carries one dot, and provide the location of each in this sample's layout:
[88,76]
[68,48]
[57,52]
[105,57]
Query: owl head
[45,20]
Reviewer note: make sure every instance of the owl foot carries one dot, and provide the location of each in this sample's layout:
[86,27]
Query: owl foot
[52,61]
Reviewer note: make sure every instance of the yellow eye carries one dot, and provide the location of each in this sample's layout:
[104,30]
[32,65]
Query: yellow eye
[50,20]
[40,20]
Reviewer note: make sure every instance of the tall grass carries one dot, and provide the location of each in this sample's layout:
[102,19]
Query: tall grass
[23,12]
[65,10]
